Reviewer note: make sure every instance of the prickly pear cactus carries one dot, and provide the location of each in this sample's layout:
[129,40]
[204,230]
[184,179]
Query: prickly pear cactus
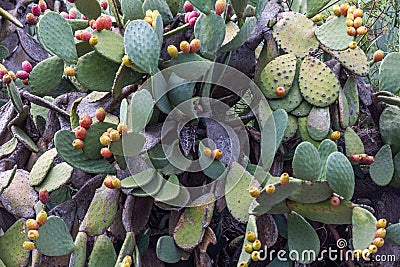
[13,254]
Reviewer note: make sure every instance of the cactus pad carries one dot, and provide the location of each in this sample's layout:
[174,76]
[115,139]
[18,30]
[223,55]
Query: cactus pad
[279,72]
[78,258]
[302,238]
[150,189]
[90,8]
[24,138]
[302,110]
[318,85]
[128,247]
[42,167]
[57,177]
[54,238]
[142,45]
[251,227]
[167,251]
[161,6]
[46,76]
[242,36]
[382,169]
[138,180]
[306,162]
[13,254]
[103,253]
[141,109]
[291,129]
[210,30]
[76,158]
[318,123]
[56,36]
[350,91]
[304,132]
[364,227]
[324,212]
[92,146]
[101,212]
[393,233]
[96,72]
[333,34]
[110,45]
[190,228]
[354,60]
[340,175]
[344,111]
[169,191]
[78,24]
[213,168]
[354,145]
[311,192]
[132,9]
[314,6]
[295,34]
[237,184]
[389,124]
[388,78]
[8,147]
[326,148]
[203,5]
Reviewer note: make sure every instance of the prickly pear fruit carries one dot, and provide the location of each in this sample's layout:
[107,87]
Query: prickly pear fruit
[114,135]
[21,74]
[254,192]
[284,179]
[78,144]
[317,17]
[381,223]
[108,182]
[358,13]
[93,40]
[41,218]
[195,46]
[127,61]
[257,245]
[85,121]
[185,47]
[70,71]
[344,8]
[336,10]
[80,133]
[378,55]
[373,249]
[105,152]
[358,22]
[255,255]
[35,9]
[188,7]
[26,66]
[335,201]
[33,235]
[116,183]
[270,189]
[379,242]
[31,224]
[362,30]
[243,264]
[127,260]
[44,195]
[100,114]
[220,6]
[351,31]
[248,248]
[104,4]
[105,140]
[28,245]
[335,135]
[172,51]
[30,19]
[217,153]
[12,75]
[381,232]
[250,236]
[280,91]
[122,128]
[42,5]
[353,45]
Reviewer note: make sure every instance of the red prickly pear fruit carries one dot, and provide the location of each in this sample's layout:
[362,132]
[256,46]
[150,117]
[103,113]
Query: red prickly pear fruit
[108,22]
[105,152]
[192,21]
[21,74]
[108,182]
[358,13]
[195,46]
[28,245]
[42,5]
[122,128]
[114,135]
[335,201]
[92,24]
[78,144]
[26,66]
[7,79]
[33,235]
[78,35]
[185,47]
[85,121]
[35,9]
[220,6]
[104,4]
[343,9]
[351,31]
[80,133]
[378,55]
[93,40]
[64,15]
[41,218]
[31,224]
[356,157]
[84,17]
[381,232]
[86,36]
[280,91]
[100,23]
[72,13]
[369,160]
[26,81]
[188,7]
[100,114]
[187,17]
[44,195]
[363,157]
[71,1]
[69,71]
[31,19]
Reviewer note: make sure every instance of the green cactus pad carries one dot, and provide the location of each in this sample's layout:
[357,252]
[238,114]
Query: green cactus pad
[189,230]
[237,198]
[393,233]
[103,253]
[306,162]
[92,145]
[326,148]
[333,34]
[58,176]
[364,227]
[279,72]
[54,238]
[203,5]
[291,129]
[167,251]
[96,72]
[181,90]
[210,30]
[354,60]
[340,175]
[138,180]
[314,6]
[46,75]
[83,48]
[6,178]
[12,252]
[101,212]
[78,257]
[141,109]
[169,191]
[56,36]
[76,158]
[42,167]
[318,123]
[90,8]
[142,45]
[382,169]
[251,227]
[125,76]
[78,24]
[304,132]
[128,247]
[344,110]
[239,6]
[15,97]
[350,90]
[110,45]
[389,125]
[174,6]
[161,6]
[388,78]
[150,189]
[302,110]
[132,9]
[324,212]
[396,177]
[8,147]
[295,34]
[354,145]
[311,192]
[24,138]
[241,37]
[302,238]
[4,53]
[318,85]
[159,28]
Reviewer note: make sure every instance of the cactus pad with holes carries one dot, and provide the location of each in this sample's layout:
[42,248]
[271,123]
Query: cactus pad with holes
[354,60]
